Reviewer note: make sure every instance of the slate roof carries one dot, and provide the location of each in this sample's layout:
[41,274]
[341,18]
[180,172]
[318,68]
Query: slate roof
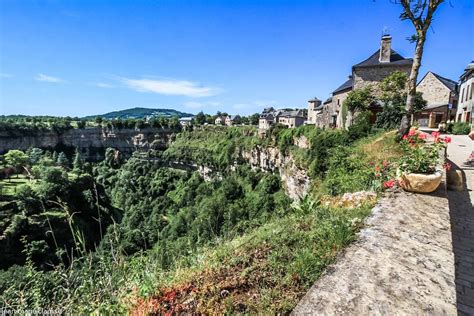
[345,86]
[293,113]
[328,100]
[451,84]
[395,59]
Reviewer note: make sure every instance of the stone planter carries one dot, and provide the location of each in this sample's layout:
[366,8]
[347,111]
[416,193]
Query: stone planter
[420,183]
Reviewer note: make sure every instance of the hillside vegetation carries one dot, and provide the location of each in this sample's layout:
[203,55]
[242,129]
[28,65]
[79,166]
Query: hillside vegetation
[141,236]
[141,113]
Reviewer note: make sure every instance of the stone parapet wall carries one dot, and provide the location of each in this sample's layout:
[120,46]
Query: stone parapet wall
[402,264]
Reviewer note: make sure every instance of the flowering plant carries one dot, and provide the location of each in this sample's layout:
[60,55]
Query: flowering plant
[420,156]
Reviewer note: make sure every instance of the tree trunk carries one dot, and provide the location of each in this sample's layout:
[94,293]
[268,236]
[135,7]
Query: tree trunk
[407,119]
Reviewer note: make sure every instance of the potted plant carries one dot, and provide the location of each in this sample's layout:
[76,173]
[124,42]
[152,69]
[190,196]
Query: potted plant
[420,168]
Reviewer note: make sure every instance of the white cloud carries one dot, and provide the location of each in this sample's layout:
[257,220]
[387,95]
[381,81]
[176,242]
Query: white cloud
[104,85]
[5,75]
[45,78]
[170,87]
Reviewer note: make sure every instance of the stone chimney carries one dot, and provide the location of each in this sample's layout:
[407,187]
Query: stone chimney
[385,49]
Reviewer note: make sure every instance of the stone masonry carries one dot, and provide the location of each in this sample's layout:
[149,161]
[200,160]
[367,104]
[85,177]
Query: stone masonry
[402,263]
[434,91]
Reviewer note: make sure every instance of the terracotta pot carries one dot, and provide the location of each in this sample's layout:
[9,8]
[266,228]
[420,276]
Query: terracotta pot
[419,182]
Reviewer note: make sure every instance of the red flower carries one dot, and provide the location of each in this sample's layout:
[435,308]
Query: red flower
[447,140]
[377,168]
[405,137]
[447,166]
[388,184]
[435,134]
[411,132]
[422,136]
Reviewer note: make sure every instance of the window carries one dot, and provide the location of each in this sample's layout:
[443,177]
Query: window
[472,87]
[467,93]
[462,95]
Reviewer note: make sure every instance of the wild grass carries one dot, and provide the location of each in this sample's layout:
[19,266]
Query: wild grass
[265,270]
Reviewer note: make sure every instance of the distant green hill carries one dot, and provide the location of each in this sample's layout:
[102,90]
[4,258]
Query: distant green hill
[137,113]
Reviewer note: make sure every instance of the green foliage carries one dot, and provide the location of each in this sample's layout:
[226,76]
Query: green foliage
[200,118]
[359,100]
[78,163]
[62,160]
[419,157]
[361,126]
[347,172]
[179,211]
[34,155]
[145,224]
[300,244]
[16,158]
[461,128]
[393,100]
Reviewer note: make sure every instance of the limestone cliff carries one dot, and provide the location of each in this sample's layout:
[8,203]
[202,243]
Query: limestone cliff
[295,180]
[91,141]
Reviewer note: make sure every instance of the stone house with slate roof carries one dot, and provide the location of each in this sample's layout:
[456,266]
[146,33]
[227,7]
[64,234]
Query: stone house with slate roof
[369,72]
[289,118]
[441,95]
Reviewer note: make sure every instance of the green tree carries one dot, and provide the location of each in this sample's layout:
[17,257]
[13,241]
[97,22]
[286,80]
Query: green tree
[78,163]
[359,100]
[200,118]
[81,124]
[16,159]
[254,119]
[393,97]
[35,155]
[62,160]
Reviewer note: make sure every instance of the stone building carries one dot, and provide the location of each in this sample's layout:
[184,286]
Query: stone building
[465,104]
[220,120]
[369,72]
[441,95]
[289,118]
[314,108]
[324,117]
[232,119]
[379,65]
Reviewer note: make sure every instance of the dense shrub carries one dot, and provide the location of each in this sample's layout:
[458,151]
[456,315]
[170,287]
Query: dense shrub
[361,126]
[461,128]
[389,118]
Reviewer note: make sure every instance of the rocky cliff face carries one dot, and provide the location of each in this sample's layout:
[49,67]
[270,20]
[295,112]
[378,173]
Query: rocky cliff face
[295,180]
[91,141]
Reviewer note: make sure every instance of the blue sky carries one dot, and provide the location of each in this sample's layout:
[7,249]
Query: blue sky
[88,57]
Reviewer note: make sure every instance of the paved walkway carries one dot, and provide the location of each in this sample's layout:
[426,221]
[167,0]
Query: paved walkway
[402,263]
[462,224]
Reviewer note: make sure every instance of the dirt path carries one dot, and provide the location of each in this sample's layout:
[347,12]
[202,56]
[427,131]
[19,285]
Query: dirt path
[462,224]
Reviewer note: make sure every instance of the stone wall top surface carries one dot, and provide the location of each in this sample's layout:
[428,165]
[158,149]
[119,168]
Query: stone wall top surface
[402,263]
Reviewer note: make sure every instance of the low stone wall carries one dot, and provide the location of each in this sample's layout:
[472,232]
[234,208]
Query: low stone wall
[402,263]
